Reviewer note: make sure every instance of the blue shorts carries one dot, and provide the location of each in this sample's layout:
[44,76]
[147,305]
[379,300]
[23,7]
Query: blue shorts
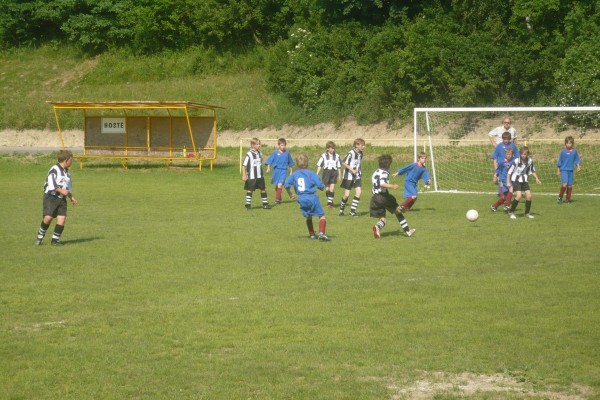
[279,176]
[410,190]
[566,177]
[310,206]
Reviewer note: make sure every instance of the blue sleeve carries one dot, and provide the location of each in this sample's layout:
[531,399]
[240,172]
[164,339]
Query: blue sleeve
[405,169]
[291,160]
[318,181]
[577,159]
[271,159]
[289,181]
[426,176]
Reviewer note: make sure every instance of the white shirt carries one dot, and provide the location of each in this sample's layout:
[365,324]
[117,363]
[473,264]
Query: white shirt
[496,133]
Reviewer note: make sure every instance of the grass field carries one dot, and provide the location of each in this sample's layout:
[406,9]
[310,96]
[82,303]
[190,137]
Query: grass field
[167,288]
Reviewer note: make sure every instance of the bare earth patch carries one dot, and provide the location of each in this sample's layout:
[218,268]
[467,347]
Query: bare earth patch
[470,385]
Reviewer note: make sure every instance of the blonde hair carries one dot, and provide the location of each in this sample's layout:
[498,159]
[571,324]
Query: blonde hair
[302,161]
[254,141]
[358,141]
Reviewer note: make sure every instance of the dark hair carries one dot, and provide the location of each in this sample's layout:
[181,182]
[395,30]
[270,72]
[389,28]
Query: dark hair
[384,161]
[506,135]
[64,155]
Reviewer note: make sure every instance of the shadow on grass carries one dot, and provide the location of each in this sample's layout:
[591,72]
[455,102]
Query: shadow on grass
[82,240]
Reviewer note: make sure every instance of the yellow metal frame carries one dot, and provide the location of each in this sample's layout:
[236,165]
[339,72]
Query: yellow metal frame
[137,107]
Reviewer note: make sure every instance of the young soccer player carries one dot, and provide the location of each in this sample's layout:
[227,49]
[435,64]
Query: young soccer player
[330,164]
[567,160]
[282,163]
[499,154]
[503,188]
[351,178]
[518,176]
[382,200]
[252,175]
[306,182]
[57,189]
[414,172]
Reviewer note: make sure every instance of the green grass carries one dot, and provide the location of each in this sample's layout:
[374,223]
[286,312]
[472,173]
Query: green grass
[31,77]
[167,288]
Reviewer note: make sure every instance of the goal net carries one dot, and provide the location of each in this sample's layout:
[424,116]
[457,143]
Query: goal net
[459,149]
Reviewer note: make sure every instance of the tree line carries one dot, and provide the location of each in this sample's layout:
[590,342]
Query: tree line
[374,59]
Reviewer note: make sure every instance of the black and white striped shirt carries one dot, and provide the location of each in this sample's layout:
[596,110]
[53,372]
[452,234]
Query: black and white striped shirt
[329,161]
[520,170]
[58,178]
[380,177]
[253,164]
[353,159]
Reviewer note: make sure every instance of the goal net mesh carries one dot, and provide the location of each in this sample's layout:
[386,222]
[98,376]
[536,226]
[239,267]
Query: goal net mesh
[459,148]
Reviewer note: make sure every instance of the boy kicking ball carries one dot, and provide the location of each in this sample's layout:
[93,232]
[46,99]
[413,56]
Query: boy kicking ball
[382,200]
[306,182]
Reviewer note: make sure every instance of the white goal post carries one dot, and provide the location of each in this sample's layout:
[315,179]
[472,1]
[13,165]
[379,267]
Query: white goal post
[459,149]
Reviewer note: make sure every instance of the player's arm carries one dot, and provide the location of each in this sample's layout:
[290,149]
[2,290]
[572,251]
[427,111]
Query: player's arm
[389,185]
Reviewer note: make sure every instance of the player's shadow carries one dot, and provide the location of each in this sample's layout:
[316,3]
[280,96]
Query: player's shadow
[393,233]
[420,209]
[82,240]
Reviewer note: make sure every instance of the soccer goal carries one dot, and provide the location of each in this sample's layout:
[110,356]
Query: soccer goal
[459,148]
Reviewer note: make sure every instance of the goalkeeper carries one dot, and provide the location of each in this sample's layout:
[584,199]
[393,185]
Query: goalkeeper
[414,172]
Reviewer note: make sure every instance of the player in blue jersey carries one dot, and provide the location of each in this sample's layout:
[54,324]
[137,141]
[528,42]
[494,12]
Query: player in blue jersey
[499,154]
[567,160]
[414,172]
[306,183]
[383,200]
[282,163]
[503,188]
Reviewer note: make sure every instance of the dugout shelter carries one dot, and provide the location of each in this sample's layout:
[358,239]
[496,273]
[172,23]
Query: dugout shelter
[167,131]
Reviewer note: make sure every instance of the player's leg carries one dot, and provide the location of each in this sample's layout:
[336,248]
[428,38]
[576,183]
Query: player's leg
[355,200]
[311,228]
[346,184]
[569,186]
[260,184]
[44,225]
[378,227]
[515,203]
[278,190]
[403,223]
[58,230]
[528,198]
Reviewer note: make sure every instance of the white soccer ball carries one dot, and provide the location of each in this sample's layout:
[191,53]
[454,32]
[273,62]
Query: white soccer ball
[472,215]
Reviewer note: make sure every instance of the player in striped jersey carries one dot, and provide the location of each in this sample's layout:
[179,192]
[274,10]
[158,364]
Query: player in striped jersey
[306,182]
[518,176]
[330,164]
[382,200]
[252,175]
[57,189]
[351,178]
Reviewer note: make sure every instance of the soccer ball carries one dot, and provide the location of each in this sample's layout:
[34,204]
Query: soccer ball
[472,215]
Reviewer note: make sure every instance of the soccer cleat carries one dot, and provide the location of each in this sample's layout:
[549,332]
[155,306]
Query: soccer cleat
[277,201]
[512,215]
[410,232]
[569,201]
[494,209]
[341,213]
[38,241]
[312,237]
[56,242]
[403,209]
[266,206]
[506,209]
[376,233]
[324,237]
[559,200]
[353,214]
[248,207]
[529,216]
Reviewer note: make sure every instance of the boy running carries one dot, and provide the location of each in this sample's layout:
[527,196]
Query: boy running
[306,182]
[414,172]
[518,176]
[382,200]
[282,163]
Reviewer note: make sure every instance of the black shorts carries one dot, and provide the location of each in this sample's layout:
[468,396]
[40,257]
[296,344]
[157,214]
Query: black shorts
[520,186]
[54,206]
[351,184]
[380,202]
[330,176]
[252,184]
